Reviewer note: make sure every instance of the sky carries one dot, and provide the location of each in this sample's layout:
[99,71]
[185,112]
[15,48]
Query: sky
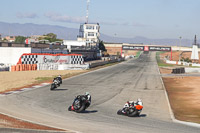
[154,19]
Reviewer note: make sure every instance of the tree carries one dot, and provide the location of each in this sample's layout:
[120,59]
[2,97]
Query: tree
[20,39]
[51,37]
[101,46]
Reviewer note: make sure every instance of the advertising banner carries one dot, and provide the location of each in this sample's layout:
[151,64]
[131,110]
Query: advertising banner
[156,48]
[53,59]
[125,47]
[146,48]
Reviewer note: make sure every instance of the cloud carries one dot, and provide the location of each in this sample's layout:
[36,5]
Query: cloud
[64,18]
[26,15]
[109,23]
[134,24]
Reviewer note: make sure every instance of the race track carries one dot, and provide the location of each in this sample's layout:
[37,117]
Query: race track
[110,88]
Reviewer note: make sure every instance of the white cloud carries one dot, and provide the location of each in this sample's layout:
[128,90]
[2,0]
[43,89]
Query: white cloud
[134,24]
[26,15]
[64,18]
[109,23]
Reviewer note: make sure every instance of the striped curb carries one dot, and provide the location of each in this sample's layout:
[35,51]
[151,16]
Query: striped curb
[24,89]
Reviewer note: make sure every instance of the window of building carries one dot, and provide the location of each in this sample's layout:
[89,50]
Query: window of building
[90,34]
[89,27]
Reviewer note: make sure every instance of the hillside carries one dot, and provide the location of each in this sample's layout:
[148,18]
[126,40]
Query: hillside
[29,29]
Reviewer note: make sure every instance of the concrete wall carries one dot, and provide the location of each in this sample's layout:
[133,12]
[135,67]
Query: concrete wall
[11,55]
[192,70]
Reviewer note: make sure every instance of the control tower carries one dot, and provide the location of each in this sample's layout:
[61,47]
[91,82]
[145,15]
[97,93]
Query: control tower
[89,32]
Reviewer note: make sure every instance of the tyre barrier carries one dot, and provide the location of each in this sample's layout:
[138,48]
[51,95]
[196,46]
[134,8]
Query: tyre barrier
[6,68]
[178,70]
[24,67]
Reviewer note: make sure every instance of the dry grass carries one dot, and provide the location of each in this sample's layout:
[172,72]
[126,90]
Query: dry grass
[14,80]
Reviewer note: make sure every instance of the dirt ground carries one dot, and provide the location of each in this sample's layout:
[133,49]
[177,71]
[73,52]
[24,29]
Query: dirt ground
[183,92]
[17,79]
[166,70]
[184,96]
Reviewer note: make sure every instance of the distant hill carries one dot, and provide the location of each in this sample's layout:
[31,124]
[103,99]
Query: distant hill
[29,29]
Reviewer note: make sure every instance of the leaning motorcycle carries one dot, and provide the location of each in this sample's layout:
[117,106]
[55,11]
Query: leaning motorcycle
[133,110]
[55,84]
[79,105]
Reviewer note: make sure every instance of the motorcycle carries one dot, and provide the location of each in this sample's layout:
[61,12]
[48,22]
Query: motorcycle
[80,104]
[132,111]
[55,84]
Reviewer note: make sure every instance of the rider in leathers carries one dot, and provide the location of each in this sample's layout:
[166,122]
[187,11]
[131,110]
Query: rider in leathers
[128,103]
[87,97]
[58,80]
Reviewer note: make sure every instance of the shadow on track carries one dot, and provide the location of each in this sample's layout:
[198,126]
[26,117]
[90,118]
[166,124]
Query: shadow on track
[143,115]
[89,111]
[59,90]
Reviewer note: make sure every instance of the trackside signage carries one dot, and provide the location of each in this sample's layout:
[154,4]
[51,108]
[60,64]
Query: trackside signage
[155,48]
[50,58]
[125,47]
[53,59]
[146,48]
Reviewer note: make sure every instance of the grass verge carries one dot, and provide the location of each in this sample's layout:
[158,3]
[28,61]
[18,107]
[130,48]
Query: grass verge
[160,62]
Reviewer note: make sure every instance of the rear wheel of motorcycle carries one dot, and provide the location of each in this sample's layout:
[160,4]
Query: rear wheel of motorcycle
[119,112]
[133,113]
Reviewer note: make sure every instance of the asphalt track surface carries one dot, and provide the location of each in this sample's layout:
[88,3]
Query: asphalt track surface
[110,88]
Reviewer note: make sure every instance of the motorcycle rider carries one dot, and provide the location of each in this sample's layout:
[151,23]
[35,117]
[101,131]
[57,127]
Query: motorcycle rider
[128,104]
[58,80]
[87,96]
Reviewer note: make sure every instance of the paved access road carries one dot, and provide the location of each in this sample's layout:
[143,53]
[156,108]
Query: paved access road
[110,88]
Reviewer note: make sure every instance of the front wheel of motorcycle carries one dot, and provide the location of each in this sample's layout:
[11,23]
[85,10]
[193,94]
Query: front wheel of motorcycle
[70,108]
[119,112]
[52,87]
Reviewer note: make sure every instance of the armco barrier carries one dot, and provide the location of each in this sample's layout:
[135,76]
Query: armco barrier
[42,66]
[192,70]
[95,64]
[73,67]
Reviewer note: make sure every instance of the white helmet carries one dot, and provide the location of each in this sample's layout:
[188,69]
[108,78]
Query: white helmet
[87,93]
[139,100]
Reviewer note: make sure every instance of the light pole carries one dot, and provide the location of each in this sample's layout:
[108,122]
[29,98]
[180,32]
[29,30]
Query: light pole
[180,47]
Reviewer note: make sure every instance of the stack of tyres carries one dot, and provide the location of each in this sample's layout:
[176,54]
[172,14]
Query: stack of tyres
[178,70]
